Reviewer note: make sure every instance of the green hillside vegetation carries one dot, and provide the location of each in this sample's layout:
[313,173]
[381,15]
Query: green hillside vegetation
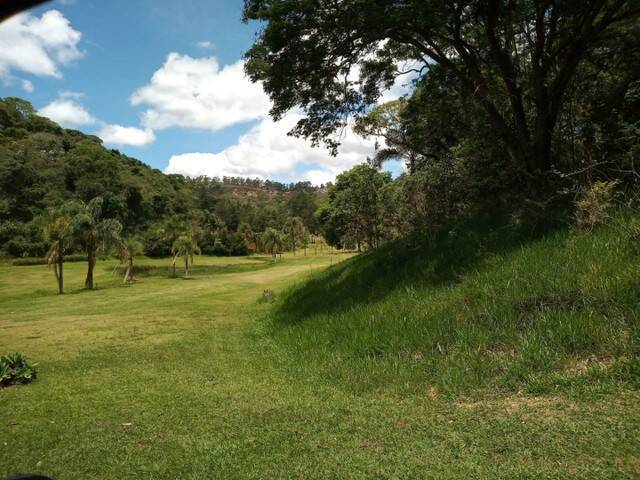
[44,166]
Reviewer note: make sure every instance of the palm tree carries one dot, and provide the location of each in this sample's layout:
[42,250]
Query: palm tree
[93,230]
[305,239]
[294,230]
[272,241]
[128,249]
[184,246]
[249,237]
[59,231]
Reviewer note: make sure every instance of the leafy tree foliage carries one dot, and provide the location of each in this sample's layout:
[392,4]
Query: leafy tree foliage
[515,60]
[353,213]
[518,106]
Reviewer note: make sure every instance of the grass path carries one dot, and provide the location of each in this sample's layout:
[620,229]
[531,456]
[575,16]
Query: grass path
[173,379]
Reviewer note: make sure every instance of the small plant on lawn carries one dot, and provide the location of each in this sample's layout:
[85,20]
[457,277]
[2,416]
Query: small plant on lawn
[268,296]
[15,369]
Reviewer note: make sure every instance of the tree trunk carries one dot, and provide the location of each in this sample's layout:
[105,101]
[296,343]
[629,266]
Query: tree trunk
[186,267]
[173,265]
[128,273]
[59,276]
[91,261]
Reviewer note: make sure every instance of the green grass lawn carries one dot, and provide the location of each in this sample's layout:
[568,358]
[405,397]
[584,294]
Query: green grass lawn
[199,379]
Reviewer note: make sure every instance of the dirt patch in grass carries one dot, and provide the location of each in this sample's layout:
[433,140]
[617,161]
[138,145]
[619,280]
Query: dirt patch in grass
[583,365]
[528,407]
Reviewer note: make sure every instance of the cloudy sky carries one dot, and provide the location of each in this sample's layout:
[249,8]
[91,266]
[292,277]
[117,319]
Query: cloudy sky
[162,81]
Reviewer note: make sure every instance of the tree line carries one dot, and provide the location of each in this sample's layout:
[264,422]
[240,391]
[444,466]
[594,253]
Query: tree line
[47,171]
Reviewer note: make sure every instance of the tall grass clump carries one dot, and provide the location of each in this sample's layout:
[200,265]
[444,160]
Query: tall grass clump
[474,309]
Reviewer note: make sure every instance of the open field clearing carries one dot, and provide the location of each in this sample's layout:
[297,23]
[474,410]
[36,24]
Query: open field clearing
[173,378]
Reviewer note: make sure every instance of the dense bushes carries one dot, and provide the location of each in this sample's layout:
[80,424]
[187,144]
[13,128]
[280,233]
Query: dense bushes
[16,369]
[28,261]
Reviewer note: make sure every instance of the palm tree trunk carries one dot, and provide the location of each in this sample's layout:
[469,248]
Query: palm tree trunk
[127,274]
[91,261]
[59,276]
[173,265]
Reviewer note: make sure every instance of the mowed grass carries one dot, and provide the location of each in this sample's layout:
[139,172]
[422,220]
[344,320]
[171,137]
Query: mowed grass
[199,379]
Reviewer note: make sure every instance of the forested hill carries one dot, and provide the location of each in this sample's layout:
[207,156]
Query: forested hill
[43,165]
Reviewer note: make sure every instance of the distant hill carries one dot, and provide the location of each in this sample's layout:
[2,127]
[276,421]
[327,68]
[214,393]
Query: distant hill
[43,165]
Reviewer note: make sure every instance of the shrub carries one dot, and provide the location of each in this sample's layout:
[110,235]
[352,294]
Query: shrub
[15,369]
[592,206]
[29,261]
[20,247]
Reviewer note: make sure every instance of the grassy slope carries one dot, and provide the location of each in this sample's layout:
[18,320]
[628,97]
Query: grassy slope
[476,312]
[197,380]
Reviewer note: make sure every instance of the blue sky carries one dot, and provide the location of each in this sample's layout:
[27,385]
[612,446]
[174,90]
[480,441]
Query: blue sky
[161,81]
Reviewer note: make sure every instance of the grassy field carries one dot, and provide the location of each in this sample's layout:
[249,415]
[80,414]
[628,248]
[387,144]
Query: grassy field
[402,364]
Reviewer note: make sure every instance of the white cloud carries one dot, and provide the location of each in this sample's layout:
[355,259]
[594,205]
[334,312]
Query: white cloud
[67,112]
[37,45]
[70,113]
[70,94]
[131,136]
[213,98]
[196,93]
[206,44]
[26,85]
[266,151]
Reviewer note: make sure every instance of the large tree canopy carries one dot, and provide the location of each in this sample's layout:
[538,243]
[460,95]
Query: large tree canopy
[515,58]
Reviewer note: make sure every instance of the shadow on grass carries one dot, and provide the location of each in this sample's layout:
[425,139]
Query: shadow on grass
[420,260]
